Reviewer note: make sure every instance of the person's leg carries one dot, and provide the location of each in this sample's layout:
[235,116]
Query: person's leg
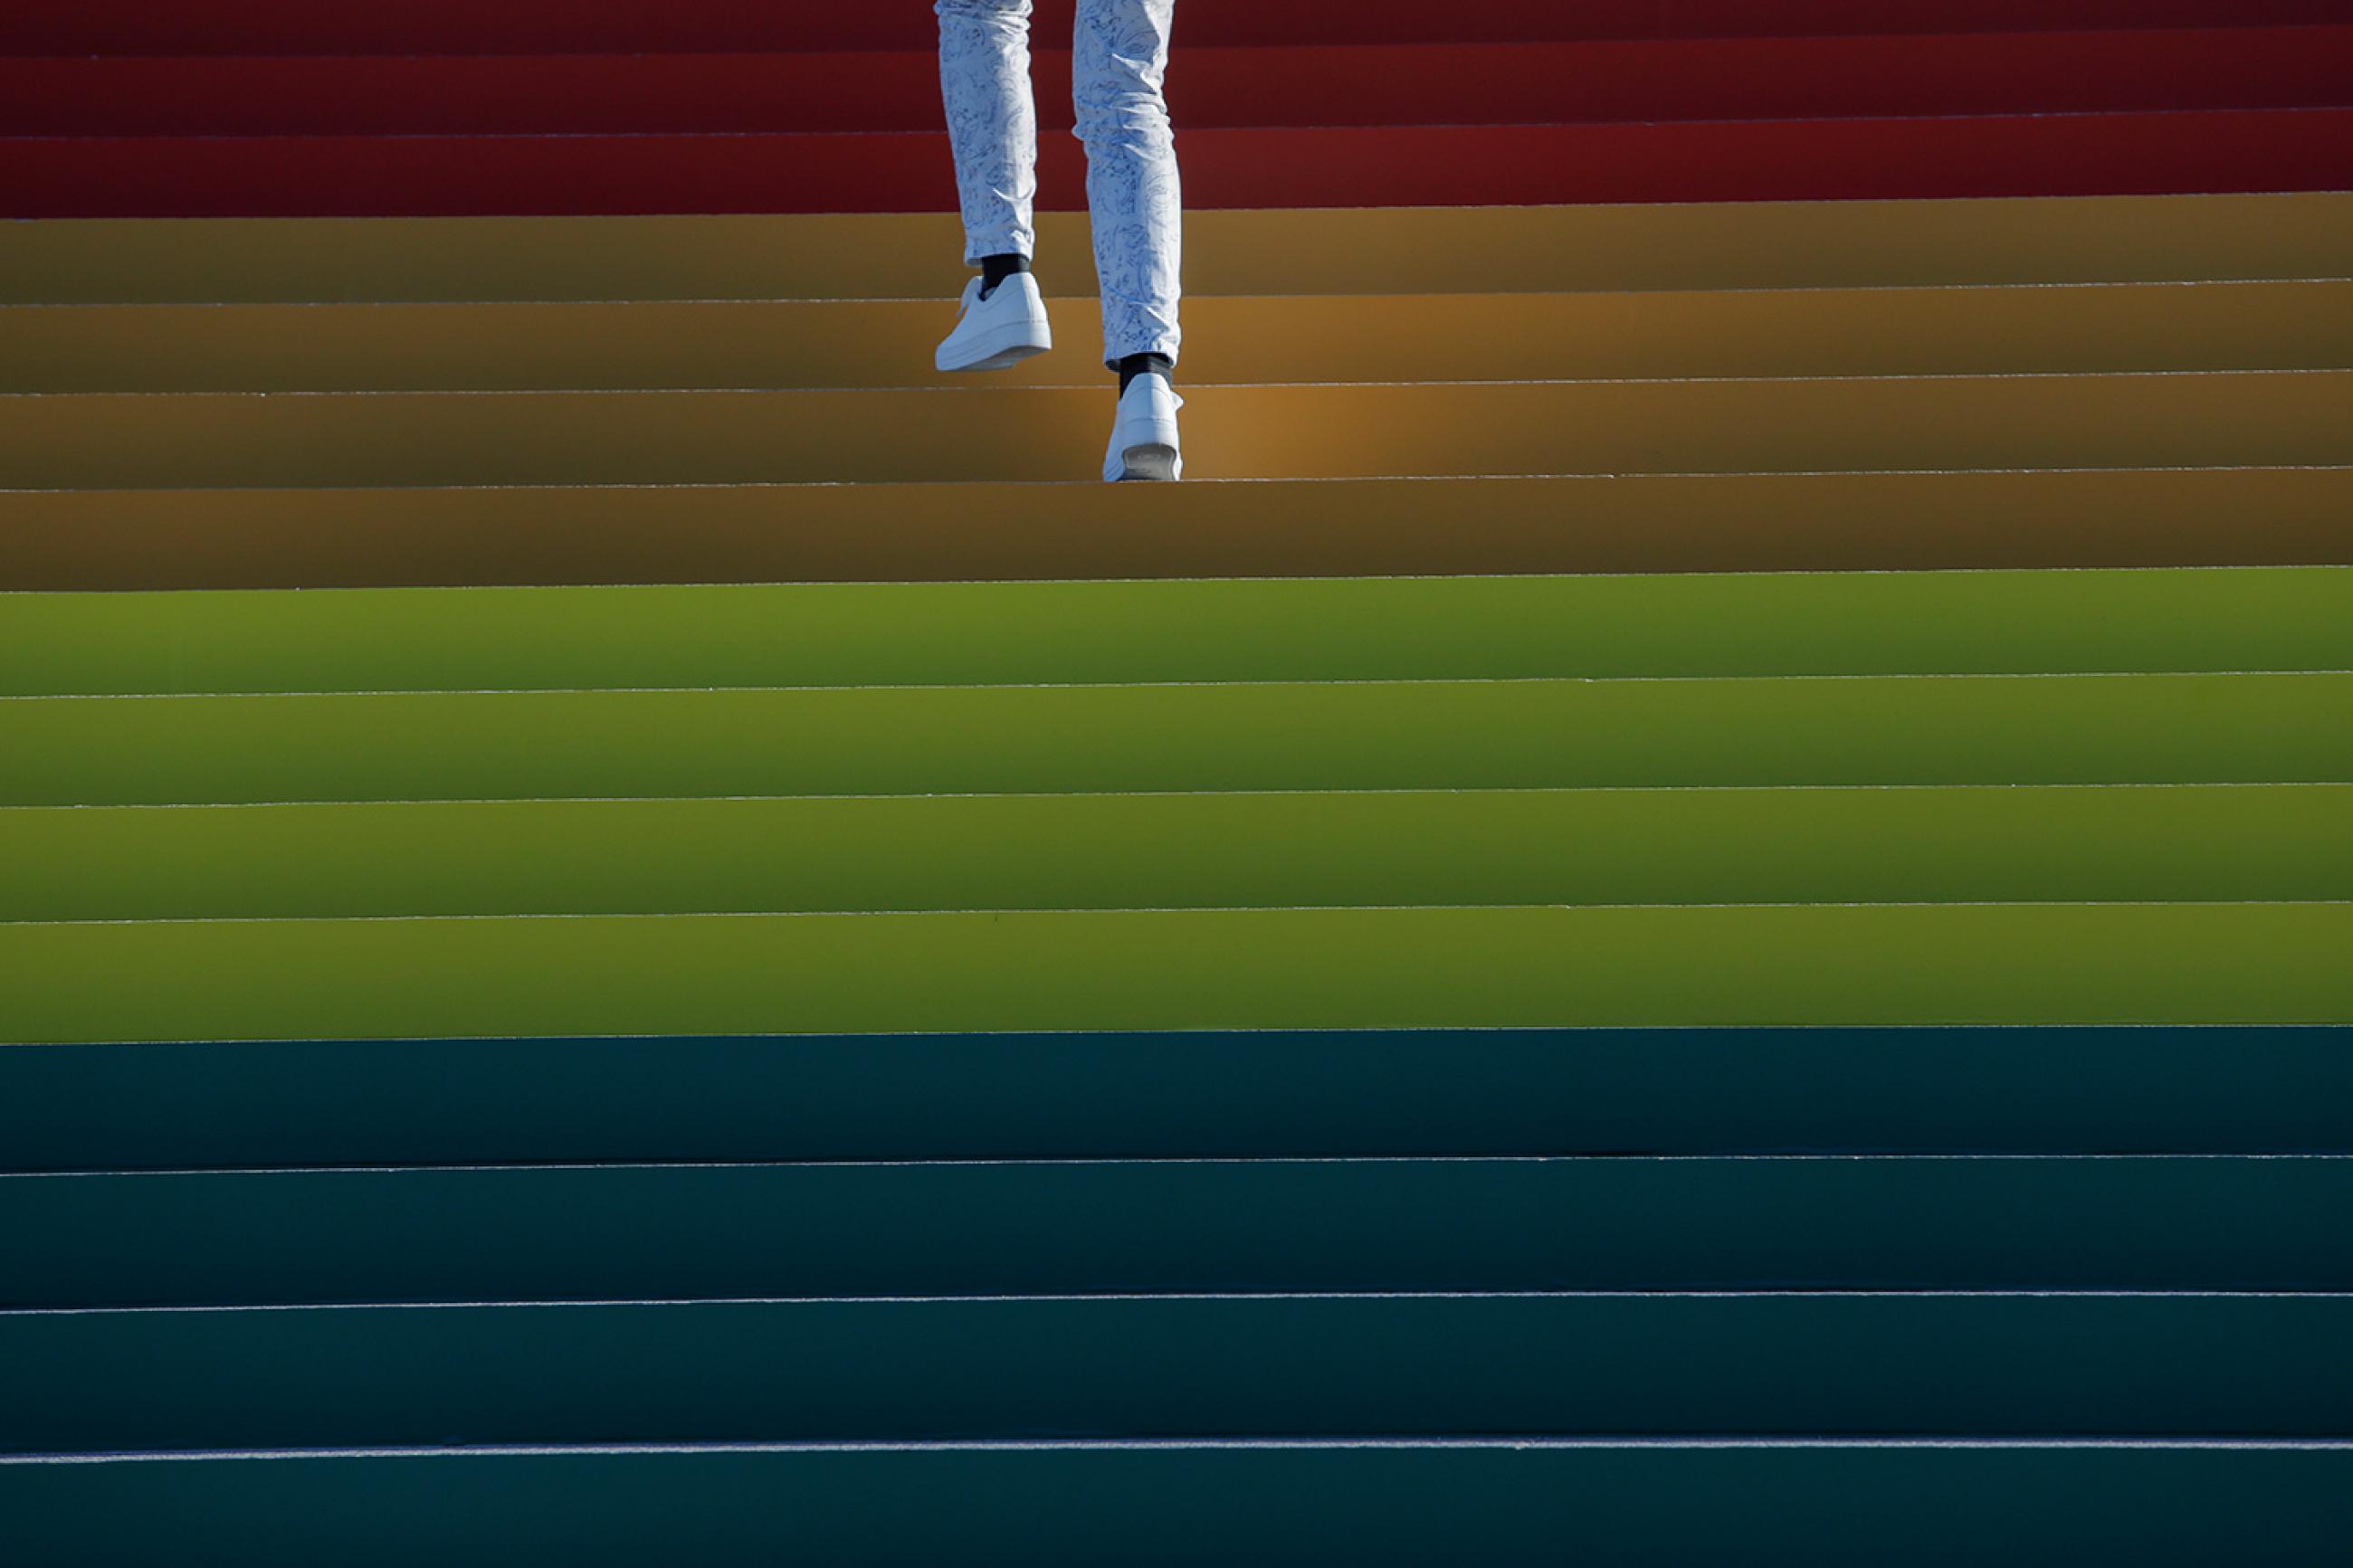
[1119,62]
[993,129]
[992,126]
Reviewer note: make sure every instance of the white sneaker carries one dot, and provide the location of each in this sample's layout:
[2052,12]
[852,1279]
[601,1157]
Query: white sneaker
[1144,434]
[1004,329]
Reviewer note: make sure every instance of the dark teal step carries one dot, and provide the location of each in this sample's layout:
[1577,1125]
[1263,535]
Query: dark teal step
[2210,1089]
[621,1233]
[1177,1366]
[1802,1503]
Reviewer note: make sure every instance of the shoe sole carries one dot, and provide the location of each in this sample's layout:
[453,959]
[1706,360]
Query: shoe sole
[1007,345]
[1150,462]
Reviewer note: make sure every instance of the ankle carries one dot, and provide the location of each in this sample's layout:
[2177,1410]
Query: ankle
[1134,365]
[996,269]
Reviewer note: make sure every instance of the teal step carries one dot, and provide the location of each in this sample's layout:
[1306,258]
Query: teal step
[1785,1503]
[1885,729]
[1367,629]
[2055,1365]
[633,1233]
[1176,1096]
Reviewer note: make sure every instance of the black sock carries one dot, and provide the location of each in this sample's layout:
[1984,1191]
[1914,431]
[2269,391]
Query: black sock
[996,269]
[1134,365]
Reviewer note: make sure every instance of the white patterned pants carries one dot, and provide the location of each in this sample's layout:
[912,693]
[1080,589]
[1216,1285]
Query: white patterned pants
[1119,59]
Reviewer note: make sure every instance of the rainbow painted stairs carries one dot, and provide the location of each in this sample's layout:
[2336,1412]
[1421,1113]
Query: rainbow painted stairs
[1692,908]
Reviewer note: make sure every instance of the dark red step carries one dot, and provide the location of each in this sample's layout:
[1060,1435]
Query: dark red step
[2253,149]
[598,26]
[1462,84]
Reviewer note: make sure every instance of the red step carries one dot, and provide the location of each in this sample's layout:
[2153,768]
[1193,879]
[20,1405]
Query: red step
[2253,150]
[1711,78]
[599,26]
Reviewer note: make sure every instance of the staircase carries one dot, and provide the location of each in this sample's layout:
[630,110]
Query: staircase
[1694,909]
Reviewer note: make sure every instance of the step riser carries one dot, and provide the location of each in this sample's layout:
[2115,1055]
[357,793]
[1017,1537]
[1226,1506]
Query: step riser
[286,27]
[426,347]
[1824,1507]
[1769,78]
[1810,964]
[1078,1096]
[1329,250]
[1385,1226]
[116,540]
[1678,847]
[1778,159]
[2041,1365]
[987,633]
[1534,735]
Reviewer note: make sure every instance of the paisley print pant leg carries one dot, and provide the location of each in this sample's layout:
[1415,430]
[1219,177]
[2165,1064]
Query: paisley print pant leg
[992,122]
[1119,61]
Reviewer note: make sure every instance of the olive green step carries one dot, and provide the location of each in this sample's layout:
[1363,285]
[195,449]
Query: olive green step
[1927,844]
[1369,629]
[1863,730]
[1367,968]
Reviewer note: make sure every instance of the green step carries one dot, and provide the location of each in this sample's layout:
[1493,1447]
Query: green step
[2052,1365]
[637,1233]
[1998,844]
[1888,730]
[1402,968]
[1006,1096]
[1375,628]
[1790,1503]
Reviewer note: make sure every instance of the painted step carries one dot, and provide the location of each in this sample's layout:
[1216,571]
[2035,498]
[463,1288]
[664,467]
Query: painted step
[1320,84]
[1203,968]
[2039,1090]
[2007,844]
[1064,1504]
[435,27]
[289,538]
[1266,735]
[1327,250]
[2006,330]
[2149,153]
[677,1232]
[2102,1364]
[1338,628]
[228,439]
